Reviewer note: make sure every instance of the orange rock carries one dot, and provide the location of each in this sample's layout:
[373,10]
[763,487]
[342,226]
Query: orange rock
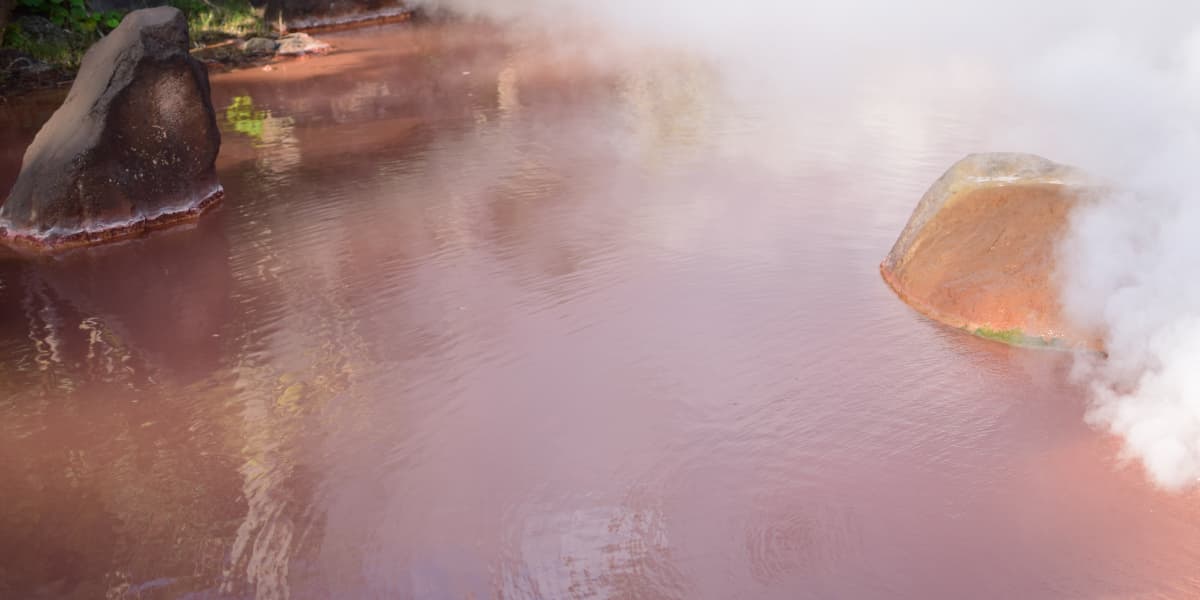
[979,254]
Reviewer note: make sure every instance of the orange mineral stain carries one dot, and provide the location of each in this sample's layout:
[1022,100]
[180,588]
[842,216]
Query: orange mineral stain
[979,251]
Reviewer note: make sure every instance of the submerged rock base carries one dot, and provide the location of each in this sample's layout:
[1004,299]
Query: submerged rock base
[113,233]
[979,251]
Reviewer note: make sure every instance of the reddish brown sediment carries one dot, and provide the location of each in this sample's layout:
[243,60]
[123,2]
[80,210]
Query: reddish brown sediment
[52,243]
[310,15]
[979,252]
[367,19]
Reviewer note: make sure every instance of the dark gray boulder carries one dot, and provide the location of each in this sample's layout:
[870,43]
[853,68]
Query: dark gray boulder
[132,147]
[259,46]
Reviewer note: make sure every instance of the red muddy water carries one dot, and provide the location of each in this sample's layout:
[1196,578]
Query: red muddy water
[486,317]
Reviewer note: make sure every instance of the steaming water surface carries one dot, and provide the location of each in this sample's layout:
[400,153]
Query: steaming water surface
[487,317]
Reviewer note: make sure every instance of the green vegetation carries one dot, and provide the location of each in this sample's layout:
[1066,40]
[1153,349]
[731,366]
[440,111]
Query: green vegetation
[73,15]
[54,53]
[1015,337]
[1008,336]
[58,32]
[214,20]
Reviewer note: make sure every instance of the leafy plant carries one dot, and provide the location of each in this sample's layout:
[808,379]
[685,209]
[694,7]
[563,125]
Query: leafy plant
[63,31]
[60,54]
[218,19]
[74,15]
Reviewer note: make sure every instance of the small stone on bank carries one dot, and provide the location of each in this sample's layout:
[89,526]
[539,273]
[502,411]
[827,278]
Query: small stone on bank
[296,44]
[260,45]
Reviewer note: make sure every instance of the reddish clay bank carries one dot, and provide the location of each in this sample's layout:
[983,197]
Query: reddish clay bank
[978,252]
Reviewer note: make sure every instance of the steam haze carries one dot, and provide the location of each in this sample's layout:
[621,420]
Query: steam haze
[1113,87]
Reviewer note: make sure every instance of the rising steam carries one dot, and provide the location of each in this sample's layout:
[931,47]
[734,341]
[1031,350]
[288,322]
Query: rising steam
[1129,262]
[1113,87]
[1127,108]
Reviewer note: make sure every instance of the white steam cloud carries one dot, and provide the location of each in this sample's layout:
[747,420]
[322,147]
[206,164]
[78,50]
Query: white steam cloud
[1113,87]
[1128,264]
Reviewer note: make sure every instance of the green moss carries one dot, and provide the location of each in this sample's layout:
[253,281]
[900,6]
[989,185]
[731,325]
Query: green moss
[64,54]
[1015,337]
[221,19]
[1008,336]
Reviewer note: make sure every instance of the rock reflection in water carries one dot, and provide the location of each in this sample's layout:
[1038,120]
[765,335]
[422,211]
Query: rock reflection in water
[671,105]
[116,449]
